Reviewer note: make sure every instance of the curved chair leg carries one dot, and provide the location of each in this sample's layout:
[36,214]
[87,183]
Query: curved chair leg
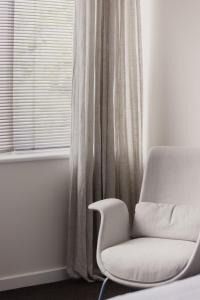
[101,294]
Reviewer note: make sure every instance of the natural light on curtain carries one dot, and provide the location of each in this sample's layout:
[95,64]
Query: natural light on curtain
[36,62]
[106,151]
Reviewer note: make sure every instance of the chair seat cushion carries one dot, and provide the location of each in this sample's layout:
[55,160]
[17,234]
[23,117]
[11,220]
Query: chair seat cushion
[147,260]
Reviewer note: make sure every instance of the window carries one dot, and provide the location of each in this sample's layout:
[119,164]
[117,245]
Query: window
[36,53]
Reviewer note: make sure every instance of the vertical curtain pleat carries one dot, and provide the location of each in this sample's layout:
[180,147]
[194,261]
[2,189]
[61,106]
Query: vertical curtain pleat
[106,120]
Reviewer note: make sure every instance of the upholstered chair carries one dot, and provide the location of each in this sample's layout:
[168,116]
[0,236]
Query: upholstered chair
[163,244]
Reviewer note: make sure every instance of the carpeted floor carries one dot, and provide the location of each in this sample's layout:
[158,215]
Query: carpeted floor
[65,290]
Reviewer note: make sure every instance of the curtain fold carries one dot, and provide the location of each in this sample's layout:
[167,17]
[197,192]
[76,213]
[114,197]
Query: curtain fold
[106,152]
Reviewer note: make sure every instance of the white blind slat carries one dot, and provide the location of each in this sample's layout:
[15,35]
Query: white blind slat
[36,65]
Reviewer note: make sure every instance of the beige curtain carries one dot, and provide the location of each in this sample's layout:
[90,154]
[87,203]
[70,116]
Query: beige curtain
[106,112]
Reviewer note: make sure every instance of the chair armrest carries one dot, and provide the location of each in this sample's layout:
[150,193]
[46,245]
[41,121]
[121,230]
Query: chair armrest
[114,226]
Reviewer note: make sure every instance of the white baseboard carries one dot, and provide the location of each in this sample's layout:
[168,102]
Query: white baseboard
[33,278]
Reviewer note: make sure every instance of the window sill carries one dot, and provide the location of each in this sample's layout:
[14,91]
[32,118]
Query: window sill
[34,155]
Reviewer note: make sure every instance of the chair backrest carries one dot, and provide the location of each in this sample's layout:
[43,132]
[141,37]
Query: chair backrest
[172,175]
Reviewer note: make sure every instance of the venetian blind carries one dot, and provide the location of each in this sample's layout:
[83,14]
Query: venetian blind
[36,61]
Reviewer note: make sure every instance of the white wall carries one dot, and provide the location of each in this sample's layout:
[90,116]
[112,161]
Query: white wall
[171,45]
[33,197]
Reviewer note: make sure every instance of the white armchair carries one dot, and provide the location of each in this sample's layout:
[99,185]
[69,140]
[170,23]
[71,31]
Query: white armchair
[172,176]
